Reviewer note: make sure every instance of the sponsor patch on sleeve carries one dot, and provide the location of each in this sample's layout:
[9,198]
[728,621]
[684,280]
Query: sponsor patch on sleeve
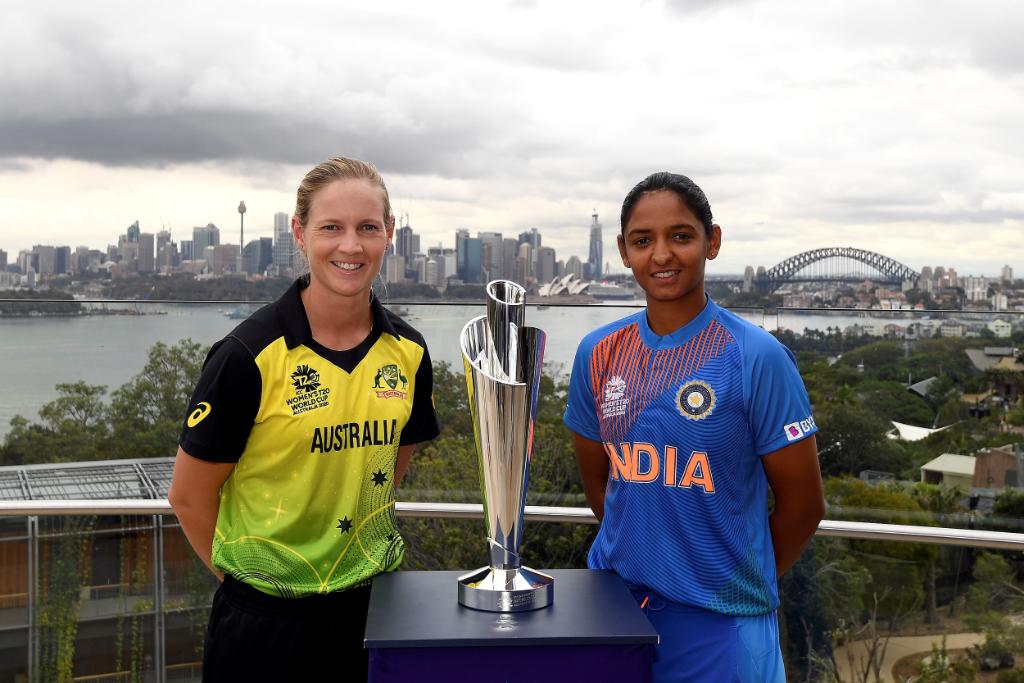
[795,430]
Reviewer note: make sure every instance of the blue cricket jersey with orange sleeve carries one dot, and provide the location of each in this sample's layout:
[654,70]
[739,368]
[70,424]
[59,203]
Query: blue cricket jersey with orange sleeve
[685,419]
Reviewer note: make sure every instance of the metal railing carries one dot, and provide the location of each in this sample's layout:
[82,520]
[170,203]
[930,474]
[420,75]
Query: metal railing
[973,538]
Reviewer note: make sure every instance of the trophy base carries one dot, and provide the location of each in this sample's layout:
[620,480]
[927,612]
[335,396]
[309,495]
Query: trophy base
[506,590]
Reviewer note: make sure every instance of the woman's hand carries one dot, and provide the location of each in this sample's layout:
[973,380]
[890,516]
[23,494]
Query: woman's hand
[195,497]
[795,478]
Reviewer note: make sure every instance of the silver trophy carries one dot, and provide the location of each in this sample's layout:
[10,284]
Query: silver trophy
[503,365]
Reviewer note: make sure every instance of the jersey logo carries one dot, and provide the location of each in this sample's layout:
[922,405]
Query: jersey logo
[615,401]
[309,395]
[305,380]
[199,414]
[386,382]
[794,430]
[695,400]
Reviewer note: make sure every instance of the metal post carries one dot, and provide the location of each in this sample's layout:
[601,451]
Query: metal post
[160,627]
[33,594]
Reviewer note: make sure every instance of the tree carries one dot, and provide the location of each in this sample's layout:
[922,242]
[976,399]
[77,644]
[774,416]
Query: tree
[72,427]
[853,439]
[937,500]
[147,412]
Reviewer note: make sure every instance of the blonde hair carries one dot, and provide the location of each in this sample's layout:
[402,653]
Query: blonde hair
[337,168]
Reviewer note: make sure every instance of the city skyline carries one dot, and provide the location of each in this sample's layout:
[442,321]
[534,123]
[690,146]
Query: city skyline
[807,126]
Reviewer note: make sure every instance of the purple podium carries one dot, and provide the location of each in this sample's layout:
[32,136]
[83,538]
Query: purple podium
[417,631]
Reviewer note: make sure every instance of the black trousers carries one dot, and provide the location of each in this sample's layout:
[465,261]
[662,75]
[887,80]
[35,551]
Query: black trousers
[254,637]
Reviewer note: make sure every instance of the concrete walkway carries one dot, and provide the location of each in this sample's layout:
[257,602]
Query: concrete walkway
[899,647]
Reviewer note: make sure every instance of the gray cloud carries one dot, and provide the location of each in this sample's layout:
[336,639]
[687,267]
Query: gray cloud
[161,139]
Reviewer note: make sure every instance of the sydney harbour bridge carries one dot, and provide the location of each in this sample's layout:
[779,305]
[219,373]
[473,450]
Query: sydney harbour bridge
[830,264]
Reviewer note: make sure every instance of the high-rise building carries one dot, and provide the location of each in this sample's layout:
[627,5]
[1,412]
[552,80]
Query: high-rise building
[46,257]
[491,251]
[574,266]
[163,238]
[284,245]
[147,261]
[467,257]
[251,254]
[266,255]
[62,261]
[521,272]
[407,245]
[1006,275]
[404,242]
[394,269]
[509,252]
[221,258]
[203,237]
[448,259]
[545,268]
[461,249]
[3,260]
[596,256]
[531,237]
[133,232]
[186,250]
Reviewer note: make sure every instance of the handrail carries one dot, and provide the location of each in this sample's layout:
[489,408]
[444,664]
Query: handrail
[974,538]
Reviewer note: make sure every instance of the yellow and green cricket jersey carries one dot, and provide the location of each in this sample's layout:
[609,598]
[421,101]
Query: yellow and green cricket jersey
[309,507]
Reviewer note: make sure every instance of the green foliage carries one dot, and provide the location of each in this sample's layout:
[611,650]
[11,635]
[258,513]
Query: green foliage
[59,601]
[843,582]
[852,439]
[900,567]
[143,419]
[1012,676]
[1009,503]
[146,413]
[28,303]
[995,586]
[1003,639]
[72,427]
[941,668]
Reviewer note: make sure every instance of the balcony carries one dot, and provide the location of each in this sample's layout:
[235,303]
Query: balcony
[98,583]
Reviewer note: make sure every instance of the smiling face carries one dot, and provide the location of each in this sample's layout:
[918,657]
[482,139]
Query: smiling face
[344,237]
[666,245]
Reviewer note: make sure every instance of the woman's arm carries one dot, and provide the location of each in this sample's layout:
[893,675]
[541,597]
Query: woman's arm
[195,497]
[593,464]
[795,479]
[402,462]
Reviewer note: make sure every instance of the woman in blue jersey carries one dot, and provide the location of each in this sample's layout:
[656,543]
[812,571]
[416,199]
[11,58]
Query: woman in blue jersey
[300,427]
[684,418]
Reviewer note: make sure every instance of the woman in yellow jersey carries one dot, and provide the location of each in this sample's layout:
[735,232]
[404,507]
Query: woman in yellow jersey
[301,425]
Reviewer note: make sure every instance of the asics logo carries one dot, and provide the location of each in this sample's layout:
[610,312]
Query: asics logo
[199,414]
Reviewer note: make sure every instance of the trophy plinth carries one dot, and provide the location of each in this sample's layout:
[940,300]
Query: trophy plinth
[502,359]
[506,590]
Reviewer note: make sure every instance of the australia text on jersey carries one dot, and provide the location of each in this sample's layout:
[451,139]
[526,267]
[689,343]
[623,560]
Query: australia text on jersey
[340,437]
[628,463]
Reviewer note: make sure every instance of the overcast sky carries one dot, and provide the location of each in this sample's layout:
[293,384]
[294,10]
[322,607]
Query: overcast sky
[894,127]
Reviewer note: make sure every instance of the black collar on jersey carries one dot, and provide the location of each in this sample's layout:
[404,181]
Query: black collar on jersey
[292,318]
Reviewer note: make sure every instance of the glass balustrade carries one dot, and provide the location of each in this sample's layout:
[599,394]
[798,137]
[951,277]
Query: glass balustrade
[920,425]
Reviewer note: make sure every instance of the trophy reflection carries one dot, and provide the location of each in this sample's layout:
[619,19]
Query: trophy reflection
[502,360]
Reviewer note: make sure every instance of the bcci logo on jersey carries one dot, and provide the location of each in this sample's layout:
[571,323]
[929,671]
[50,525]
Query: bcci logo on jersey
[795,430]
[308,393]
[695,400]
[386,382]
[615,401]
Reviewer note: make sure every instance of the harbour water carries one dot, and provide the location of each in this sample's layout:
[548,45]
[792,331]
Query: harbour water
[38,353]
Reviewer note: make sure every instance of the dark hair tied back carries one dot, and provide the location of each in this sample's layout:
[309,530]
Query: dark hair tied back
[687,191]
